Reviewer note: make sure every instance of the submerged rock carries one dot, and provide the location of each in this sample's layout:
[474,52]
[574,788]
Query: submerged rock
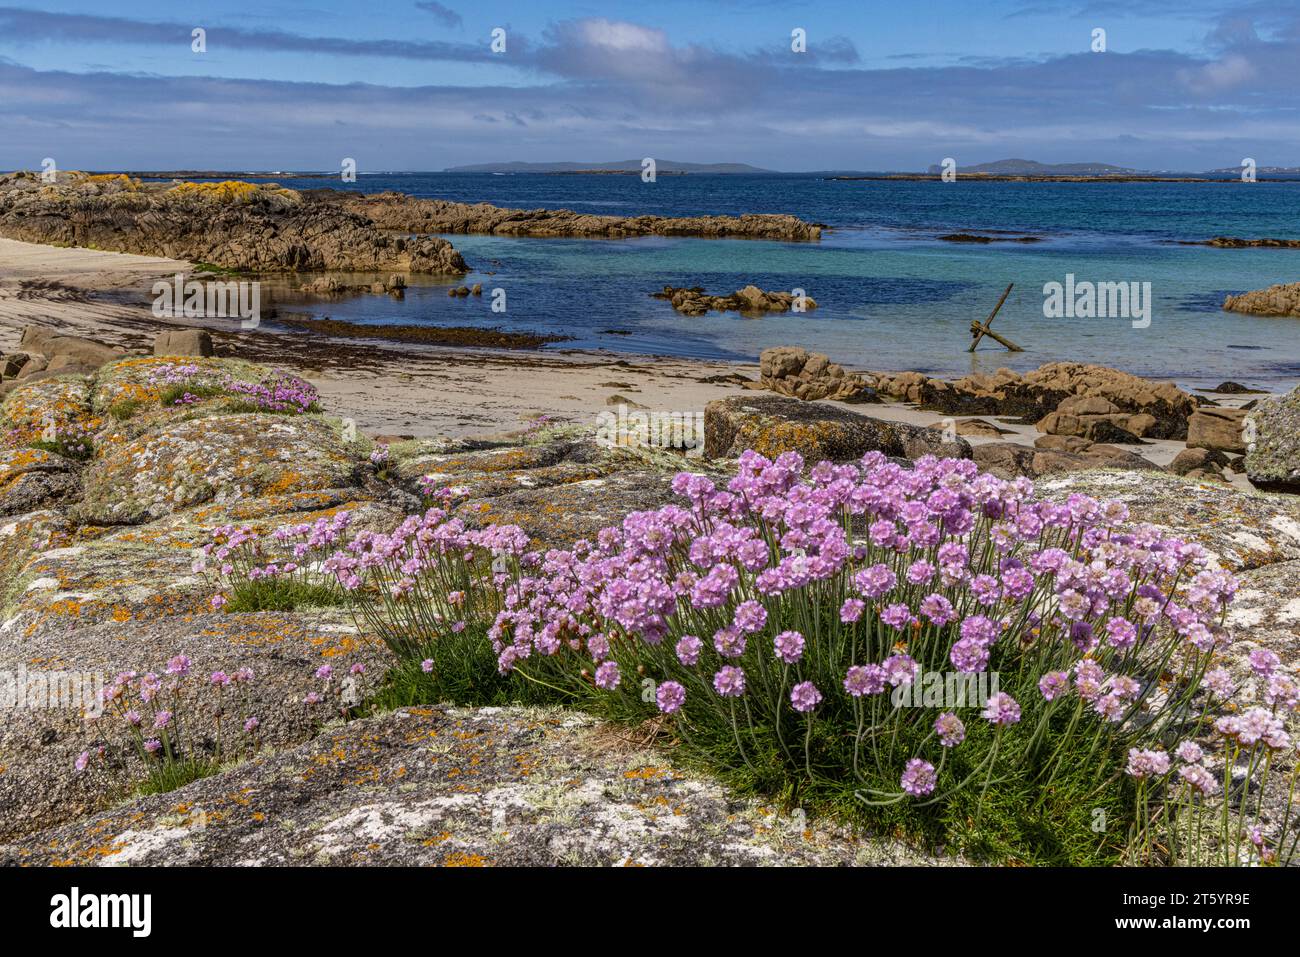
[694,301]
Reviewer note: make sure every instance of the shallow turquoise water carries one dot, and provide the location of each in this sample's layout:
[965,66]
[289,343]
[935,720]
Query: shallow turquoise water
[891,295]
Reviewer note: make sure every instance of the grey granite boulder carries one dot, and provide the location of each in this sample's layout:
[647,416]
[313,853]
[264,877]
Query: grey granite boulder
[771,425]
[1273,455]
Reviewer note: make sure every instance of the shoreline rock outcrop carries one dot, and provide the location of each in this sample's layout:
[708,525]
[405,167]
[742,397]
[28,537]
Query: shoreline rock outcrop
[397,211]
[1278,300]
[235,225]
[800,374]
[1158,410]
[694,301]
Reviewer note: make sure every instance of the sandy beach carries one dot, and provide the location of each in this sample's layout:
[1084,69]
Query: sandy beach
[388,389]
[403,389]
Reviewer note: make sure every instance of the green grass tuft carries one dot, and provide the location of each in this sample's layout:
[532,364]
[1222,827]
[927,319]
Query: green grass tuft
[280,594]
[170,775]
[465,673]
[125,408]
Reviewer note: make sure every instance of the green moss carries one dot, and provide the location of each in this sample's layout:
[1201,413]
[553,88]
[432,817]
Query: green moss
[125,409]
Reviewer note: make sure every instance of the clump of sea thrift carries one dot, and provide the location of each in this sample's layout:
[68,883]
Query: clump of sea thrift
[790,610]
[184,384]
[431,577]
[255,570]
[158,711]
[278,391]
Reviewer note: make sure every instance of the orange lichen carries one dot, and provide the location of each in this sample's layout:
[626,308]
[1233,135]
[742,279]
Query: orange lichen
[644,774]
[465,859]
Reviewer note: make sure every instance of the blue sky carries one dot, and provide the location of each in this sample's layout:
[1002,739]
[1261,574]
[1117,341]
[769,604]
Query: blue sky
[405,85]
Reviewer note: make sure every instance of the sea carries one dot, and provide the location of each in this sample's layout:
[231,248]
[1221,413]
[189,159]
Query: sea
[890,294]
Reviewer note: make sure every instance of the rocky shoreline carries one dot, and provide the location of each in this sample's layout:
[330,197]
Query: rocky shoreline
[399,212]
[1088,416]
[234,225]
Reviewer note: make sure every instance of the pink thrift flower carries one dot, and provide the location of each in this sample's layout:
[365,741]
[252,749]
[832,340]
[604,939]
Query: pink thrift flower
[607,676]
[670,696]
[918,777]
[805,696]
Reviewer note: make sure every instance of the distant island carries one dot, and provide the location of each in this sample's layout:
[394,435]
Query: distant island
[1024,167]
[621,166]
[1004,170]
[1269,170]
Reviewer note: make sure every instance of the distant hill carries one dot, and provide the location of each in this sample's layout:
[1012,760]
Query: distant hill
[622,166]
[1024,167]
[1271,170]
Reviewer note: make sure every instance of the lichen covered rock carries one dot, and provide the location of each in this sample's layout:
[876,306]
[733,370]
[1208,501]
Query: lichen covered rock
[1273,455]
[771,425]
[1243,529]
[455,788]
[222,459]
[31,478]
[38,784]
[54,406]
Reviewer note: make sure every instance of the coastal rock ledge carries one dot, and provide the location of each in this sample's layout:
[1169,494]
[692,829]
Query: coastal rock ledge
[234,225]
[398,211]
